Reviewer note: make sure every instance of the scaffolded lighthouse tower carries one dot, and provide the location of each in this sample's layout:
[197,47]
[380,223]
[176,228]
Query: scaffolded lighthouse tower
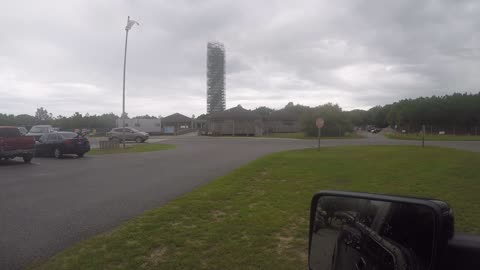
[215,77]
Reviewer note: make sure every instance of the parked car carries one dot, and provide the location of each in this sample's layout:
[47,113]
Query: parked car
[22,130]
[131,134]
[39,130]
[14,144]
[58,144]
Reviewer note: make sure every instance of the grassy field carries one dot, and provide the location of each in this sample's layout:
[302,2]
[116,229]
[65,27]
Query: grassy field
[145,147]
[256,217]
[432,137]
[301,135]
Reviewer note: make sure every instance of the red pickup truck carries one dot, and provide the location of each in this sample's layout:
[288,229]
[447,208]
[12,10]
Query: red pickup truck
[14,144]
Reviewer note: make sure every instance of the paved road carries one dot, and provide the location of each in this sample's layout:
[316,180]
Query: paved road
[51,204]
[95,141]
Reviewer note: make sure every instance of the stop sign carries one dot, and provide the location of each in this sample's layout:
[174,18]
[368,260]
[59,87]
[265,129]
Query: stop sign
[320,122]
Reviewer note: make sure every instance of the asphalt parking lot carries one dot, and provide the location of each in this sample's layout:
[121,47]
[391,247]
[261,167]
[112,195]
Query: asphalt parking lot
[51,204]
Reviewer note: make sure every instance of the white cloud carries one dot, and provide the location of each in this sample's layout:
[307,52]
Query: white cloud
[67,56]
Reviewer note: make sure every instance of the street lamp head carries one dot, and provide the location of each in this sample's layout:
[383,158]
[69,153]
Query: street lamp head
[130,23]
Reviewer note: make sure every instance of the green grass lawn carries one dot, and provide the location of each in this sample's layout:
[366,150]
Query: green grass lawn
[256,217]
[137,148]
[301,135]
[432,137]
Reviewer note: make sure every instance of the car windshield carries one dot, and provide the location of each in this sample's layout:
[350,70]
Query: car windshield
[68,135]
[9,132]
[39,129]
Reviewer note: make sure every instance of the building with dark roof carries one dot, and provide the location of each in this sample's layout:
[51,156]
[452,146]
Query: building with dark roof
[175,123]
[282,121]
[235,121]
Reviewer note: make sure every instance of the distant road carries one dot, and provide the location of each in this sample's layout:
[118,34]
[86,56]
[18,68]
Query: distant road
[51,204]
[378,139]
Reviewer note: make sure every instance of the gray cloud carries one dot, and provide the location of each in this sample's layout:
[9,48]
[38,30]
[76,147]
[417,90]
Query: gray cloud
[67,55]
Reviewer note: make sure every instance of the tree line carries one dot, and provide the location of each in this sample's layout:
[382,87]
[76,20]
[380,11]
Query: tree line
[457,111]
[77,120]
[460,111]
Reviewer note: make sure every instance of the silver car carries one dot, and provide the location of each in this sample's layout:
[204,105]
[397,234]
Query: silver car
[38,130]
[22,130]
[131,134]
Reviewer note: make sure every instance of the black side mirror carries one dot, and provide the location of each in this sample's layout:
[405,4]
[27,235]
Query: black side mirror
[351,230]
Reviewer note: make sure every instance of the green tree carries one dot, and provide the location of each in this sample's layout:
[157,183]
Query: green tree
[25,120]
[336,120]
[42,115]
[263,111]
[358,118]
[297,109]
[7,120]
[146,116]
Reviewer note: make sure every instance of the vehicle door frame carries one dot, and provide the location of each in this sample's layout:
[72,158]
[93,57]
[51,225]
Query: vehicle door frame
[129,134]
[53,142]
[41,147]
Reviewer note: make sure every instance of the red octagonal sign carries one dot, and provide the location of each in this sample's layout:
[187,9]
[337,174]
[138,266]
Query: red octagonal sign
[320,122]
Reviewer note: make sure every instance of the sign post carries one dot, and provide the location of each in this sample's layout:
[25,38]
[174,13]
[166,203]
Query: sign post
[319,123]
[423,135]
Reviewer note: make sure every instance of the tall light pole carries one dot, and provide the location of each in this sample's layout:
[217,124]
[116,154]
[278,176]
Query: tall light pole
[130,23]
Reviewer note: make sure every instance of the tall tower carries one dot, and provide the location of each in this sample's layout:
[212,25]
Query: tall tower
[215,77]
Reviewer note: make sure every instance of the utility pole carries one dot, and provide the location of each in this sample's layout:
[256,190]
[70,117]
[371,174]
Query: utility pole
[130,23]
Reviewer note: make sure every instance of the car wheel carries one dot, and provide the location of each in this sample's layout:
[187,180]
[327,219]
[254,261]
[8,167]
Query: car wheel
[138,140]
[27,158]
[57,153]
[80,155]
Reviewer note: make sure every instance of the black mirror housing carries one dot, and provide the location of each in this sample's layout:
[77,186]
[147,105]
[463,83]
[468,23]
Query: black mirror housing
[347,228]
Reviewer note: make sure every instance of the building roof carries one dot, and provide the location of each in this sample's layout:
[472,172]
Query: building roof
[235,113]
[140,120]
[281,115]
[176,118]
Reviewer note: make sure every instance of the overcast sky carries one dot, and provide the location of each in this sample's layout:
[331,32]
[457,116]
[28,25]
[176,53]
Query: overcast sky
[67,56]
